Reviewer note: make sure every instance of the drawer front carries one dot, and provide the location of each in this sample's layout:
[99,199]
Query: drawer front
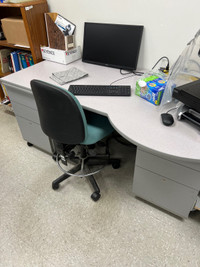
[25,112]
[169,169]
[32,133]
[165,193]
[21,95]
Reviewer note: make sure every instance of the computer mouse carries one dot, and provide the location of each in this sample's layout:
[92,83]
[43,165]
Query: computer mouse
[167,119]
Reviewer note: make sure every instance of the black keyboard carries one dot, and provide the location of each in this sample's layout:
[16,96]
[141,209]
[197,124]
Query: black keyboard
[101,90]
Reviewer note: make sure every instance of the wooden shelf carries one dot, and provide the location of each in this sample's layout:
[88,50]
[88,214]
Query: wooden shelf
[36,2]
[4,74]
[6,44]
[32,14]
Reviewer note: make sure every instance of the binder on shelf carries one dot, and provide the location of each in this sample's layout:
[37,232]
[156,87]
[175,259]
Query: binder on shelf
[11,69]
[20,60]
[30,58]
[27,60]
[23,60]
[12,60]
[20,63]
[15,60]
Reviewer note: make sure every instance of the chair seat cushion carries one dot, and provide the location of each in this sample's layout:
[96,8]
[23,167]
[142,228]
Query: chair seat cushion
[98,127]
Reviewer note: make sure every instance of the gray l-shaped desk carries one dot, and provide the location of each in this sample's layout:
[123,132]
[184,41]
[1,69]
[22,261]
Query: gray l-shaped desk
[167,169]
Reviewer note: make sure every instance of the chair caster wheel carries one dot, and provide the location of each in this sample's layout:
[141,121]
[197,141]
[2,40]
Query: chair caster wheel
[95,196]
[29,144]
[55,186]
[116,164]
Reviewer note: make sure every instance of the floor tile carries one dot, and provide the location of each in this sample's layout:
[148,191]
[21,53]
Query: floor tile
[16,253]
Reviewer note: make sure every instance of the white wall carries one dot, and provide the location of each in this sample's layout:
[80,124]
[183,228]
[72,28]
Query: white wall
[168,25]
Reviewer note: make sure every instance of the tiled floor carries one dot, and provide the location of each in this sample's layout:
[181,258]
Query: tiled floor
[42,227]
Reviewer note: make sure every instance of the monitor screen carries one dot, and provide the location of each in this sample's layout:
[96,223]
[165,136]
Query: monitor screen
[112,45]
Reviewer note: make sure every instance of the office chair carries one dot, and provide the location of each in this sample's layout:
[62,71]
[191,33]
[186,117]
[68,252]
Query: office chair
[68,126]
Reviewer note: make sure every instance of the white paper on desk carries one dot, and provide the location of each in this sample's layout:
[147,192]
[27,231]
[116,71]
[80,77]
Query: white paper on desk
[67,76]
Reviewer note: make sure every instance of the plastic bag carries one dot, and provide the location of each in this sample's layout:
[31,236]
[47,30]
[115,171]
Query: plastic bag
[185,70]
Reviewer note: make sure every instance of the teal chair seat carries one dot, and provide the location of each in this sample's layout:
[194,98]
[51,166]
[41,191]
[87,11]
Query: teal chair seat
[98,127]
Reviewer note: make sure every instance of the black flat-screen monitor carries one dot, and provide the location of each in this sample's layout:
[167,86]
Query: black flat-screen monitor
[112,45]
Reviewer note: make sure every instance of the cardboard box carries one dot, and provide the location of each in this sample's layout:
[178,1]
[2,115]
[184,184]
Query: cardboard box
[61,56]
[14,31]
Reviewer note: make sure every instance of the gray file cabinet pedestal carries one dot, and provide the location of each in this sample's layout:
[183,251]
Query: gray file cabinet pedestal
[26,114]
[170,184]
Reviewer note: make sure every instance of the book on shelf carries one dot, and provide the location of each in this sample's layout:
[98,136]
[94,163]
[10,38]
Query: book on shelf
[20,63]
[21,60]
[27,60]
[30,58]
[15,60]
[4,53]
[10,64]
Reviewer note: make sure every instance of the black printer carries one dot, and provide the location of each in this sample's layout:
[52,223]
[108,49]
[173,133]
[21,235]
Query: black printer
[189,95]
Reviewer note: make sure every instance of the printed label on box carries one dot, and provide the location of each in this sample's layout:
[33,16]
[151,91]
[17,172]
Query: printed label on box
[61,56]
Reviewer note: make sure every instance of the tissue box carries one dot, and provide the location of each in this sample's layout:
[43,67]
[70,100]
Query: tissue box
[151,89]
[61,56]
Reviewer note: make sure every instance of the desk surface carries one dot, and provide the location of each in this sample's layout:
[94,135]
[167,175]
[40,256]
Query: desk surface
[134,118]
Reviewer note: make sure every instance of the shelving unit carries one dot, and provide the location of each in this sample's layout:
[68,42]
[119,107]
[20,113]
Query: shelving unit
[32,13]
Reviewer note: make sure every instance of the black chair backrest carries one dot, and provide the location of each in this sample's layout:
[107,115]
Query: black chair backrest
[59,114]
